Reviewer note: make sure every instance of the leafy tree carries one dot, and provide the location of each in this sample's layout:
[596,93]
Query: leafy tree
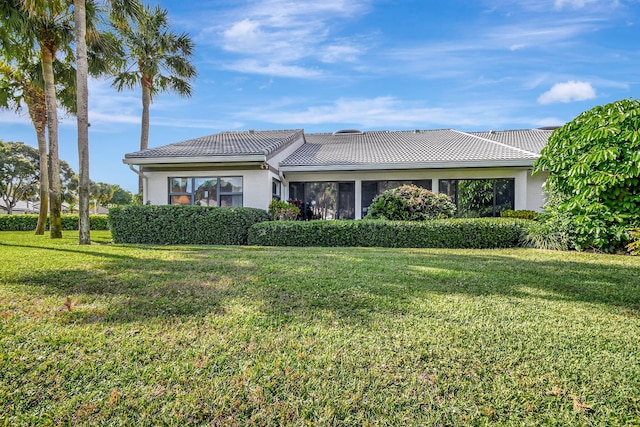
[594,175]
[101,192]
[120,196]
[157,59]
[410,203]
[18,173]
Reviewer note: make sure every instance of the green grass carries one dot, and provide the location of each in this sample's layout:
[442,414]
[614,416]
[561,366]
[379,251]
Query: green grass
[222,335]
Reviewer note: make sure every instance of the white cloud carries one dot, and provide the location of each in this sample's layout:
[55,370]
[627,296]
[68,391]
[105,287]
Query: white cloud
[575,4]
[568,92]
[253,66]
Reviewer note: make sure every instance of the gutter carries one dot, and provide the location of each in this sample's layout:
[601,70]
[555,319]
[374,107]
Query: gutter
[145,187]
[407,166]
[247,158]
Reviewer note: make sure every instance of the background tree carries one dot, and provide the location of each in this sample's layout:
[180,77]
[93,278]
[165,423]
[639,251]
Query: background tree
[18,173]
[120,196]
[156,59]
[594,176]
[22,83]
[101,193]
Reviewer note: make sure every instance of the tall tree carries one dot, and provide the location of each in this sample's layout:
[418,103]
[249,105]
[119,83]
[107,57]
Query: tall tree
[22,84]
[50,22]
[158,60]
[85,34]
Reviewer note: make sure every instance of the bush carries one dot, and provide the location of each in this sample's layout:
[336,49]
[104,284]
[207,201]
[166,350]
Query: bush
[594,175]
[410,203]
[171,225]
[477,233]
[28,222]
[522,214]
[634,245]
[280,210]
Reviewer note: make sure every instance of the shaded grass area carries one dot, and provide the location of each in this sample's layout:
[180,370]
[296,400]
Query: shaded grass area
[221,335]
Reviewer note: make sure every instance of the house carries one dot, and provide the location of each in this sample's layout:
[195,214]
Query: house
[336,175]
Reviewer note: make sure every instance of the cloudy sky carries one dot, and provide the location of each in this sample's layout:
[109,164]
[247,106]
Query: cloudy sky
[371,64]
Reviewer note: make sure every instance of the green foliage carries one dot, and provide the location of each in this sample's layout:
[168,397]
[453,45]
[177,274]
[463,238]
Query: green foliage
[283,211]
[522,214]
[18,172]
[28,222]
[634,245]
[120,196]
[477,233]
[172,224]
[410,203]
[594,172]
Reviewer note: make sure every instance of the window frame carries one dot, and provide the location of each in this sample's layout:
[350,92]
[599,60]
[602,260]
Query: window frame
[192,184]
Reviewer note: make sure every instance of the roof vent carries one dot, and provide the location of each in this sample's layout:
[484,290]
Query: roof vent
[251,131]
[492,132]
[348,132]
[416,131]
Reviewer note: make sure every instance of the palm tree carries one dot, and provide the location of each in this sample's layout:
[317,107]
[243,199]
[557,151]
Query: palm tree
[49,21]
[119,9]
[157,59]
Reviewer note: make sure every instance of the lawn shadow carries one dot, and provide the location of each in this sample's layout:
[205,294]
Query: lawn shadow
[352,284]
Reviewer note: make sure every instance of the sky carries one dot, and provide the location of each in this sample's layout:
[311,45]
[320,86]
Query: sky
[326,65]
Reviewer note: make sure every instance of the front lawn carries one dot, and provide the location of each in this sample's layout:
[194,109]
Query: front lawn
[222,335]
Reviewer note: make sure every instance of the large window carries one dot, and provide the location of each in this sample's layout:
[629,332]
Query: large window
[324,200]
[479,197]
[206,191]
[371,189]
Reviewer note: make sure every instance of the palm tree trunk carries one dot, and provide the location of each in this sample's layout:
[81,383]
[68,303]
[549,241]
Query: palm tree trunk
[80,21]
[55,195]
[144,132]
[36,104]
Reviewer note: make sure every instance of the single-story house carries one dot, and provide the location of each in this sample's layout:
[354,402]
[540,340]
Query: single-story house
[336,175]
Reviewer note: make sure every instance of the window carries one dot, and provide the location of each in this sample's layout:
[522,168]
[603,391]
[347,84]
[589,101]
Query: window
[371,189]
[206,191]
[325,200]
[276,189]
[480,197]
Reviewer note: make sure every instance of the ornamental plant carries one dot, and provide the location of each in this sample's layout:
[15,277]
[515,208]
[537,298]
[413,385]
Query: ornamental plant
[280,210]
[594,175]
[410,203]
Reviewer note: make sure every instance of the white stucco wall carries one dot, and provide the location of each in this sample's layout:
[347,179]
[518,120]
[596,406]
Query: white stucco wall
[257,191]
[256,185]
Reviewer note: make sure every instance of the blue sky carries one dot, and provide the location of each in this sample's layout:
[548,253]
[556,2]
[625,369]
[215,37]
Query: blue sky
[370,64]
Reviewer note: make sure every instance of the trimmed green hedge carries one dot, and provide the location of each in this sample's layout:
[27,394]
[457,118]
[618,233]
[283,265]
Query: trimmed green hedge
[28,222]
[477,233]
[173,225]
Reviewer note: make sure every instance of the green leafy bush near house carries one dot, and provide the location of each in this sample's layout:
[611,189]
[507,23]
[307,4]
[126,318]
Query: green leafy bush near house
[27,222]
[172,225]
[477,233]
[283,211]
[410,203]
[522,213]
[594,176]
[634,245]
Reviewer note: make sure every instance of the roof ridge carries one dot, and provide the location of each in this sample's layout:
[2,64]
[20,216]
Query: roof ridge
[497,143]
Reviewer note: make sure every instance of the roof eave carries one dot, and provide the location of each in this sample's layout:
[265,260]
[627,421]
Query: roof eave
[244,158]
[427,165]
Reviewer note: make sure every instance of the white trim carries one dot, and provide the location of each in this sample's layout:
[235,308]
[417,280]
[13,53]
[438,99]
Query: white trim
[408,166]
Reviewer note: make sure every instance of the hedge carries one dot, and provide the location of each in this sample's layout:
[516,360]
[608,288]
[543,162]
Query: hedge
[477,233]
[28,222]
[173,225]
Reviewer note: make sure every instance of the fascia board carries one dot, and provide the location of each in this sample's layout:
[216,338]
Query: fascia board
[388,166]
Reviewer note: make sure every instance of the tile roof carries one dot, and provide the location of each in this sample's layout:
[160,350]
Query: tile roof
[529,139]
[402,147]
[224,144]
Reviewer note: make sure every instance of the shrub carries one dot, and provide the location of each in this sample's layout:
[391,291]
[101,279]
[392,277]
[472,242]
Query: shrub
[522,214]
[594,175]
[283,211]
[170,225]
[634,246]
[449,233]
[410,203]
[28,222]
